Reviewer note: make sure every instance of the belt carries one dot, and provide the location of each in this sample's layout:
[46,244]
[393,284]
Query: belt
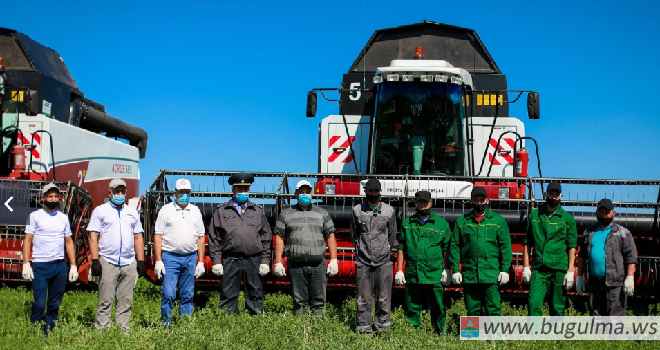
[238,255]
[50,262]
[178,254]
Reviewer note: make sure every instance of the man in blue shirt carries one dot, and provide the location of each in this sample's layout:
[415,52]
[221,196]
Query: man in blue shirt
[607,257]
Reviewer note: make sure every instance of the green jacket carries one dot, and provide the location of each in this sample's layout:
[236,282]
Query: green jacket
[483,248]
[423,247]
[551,238]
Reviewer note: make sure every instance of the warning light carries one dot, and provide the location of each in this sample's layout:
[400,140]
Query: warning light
[419,53]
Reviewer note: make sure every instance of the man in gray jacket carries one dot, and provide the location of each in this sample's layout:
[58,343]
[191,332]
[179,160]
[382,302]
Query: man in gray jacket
[373,230]
[607,257]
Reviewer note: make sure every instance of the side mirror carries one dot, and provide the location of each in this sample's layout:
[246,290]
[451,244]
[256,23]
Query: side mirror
[533,109]
[311,104]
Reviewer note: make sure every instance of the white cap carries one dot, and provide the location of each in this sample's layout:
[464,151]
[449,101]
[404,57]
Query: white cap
[302,183]
[49,187]
[182,184]
[117,182]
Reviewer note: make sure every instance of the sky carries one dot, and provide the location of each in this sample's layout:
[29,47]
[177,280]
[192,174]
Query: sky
[221,85]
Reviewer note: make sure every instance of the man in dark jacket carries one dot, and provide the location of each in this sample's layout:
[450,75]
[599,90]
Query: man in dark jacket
[607,257]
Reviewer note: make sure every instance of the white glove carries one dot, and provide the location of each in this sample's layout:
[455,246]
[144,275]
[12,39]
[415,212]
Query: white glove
[444,279]
[28,275]
[503,278]
[73,273]
[278,270]
[629,286]
[263,270]
[527,275]
[569,280]
[579,285]
[457,278]
[400,278]
[333,268]
[199,270]
[217,270]
[159,269]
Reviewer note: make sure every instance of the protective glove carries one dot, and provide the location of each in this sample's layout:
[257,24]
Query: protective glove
[141,268]
[217,270]
[278,270]
[569,281]
[457,278]
[444,279]
[400,278]
[579,285]
[333,268]
[73,273]
[263,270]
[96,267]
[629,286]
[159,269]
[527,275]
[28,275]
[503,278]
[200,270]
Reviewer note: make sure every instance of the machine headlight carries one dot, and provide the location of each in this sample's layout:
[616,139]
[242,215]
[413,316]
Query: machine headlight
[392,77]
[504,192]
[329,188]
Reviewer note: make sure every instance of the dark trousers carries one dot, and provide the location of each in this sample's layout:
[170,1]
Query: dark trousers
[308,284]
[247,270]
[48,288]
[482,299]
[419,295]
[373,281]
[605,300]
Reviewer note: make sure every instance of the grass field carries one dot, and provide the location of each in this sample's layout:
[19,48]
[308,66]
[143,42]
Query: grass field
[276,329]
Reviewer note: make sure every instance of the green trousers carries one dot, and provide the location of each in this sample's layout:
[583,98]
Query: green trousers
[418,295]
[480,297]
[547,282]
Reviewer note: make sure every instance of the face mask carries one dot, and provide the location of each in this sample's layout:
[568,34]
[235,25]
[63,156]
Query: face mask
[184,198]
[552,202]
[118,199]
[304,199]
[52,205]
[242,197]
[423,212]
[373,199]
[605,221]
[479,207]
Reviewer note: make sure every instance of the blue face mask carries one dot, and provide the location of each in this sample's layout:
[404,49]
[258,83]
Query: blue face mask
[304,199]
[118,199]
[242,197]
[184,198]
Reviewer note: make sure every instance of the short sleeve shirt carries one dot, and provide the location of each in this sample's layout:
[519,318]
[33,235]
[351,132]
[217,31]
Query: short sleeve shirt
[116,228]
[180,227]
[49,231]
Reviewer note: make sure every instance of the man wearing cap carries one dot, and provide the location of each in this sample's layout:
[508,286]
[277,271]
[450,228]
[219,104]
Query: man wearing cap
[423,245]
[551,240]
[482,245]
[239,246]
[608,257]
[373,230]
[179,249]
[115,240]
[305,228]
[49,230]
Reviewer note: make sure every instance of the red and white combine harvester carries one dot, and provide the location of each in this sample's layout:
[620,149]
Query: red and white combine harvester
[425,107]
[50,132]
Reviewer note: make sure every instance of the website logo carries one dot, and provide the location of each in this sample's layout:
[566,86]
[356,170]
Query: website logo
[469,327]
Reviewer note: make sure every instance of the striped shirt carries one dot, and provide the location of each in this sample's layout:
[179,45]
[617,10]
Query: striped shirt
[305,232]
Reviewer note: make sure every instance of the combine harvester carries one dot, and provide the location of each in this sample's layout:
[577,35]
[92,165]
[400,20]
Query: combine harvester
[51,133]
[425,107]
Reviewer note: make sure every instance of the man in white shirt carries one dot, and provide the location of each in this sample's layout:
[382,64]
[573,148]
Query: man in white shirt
[179,244]
[115,239]
[49,230]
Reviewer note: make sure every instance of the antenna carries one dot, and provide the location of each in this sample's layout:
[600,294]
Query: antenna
[364,43]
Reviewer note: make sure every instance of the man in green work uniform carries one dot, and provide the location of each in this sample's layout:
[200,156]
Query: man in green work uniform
[423,244]
[551,236]
[481,243]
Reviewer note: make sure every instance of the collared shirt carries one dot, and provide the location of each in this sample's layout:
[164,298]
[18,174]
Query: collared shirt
[49,231]
[116,228]
[240,208]
[551,235]
[423,245]
[180,228]
[305,232]
[597,258]
[373,233]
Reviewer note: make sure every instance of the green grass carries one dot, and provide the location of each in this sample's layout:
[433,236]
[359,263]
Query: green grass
[276,329]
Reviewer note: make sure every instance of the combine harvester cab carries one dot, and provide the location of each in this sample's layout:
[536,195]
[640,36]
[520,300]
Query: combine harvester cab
[51,132]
